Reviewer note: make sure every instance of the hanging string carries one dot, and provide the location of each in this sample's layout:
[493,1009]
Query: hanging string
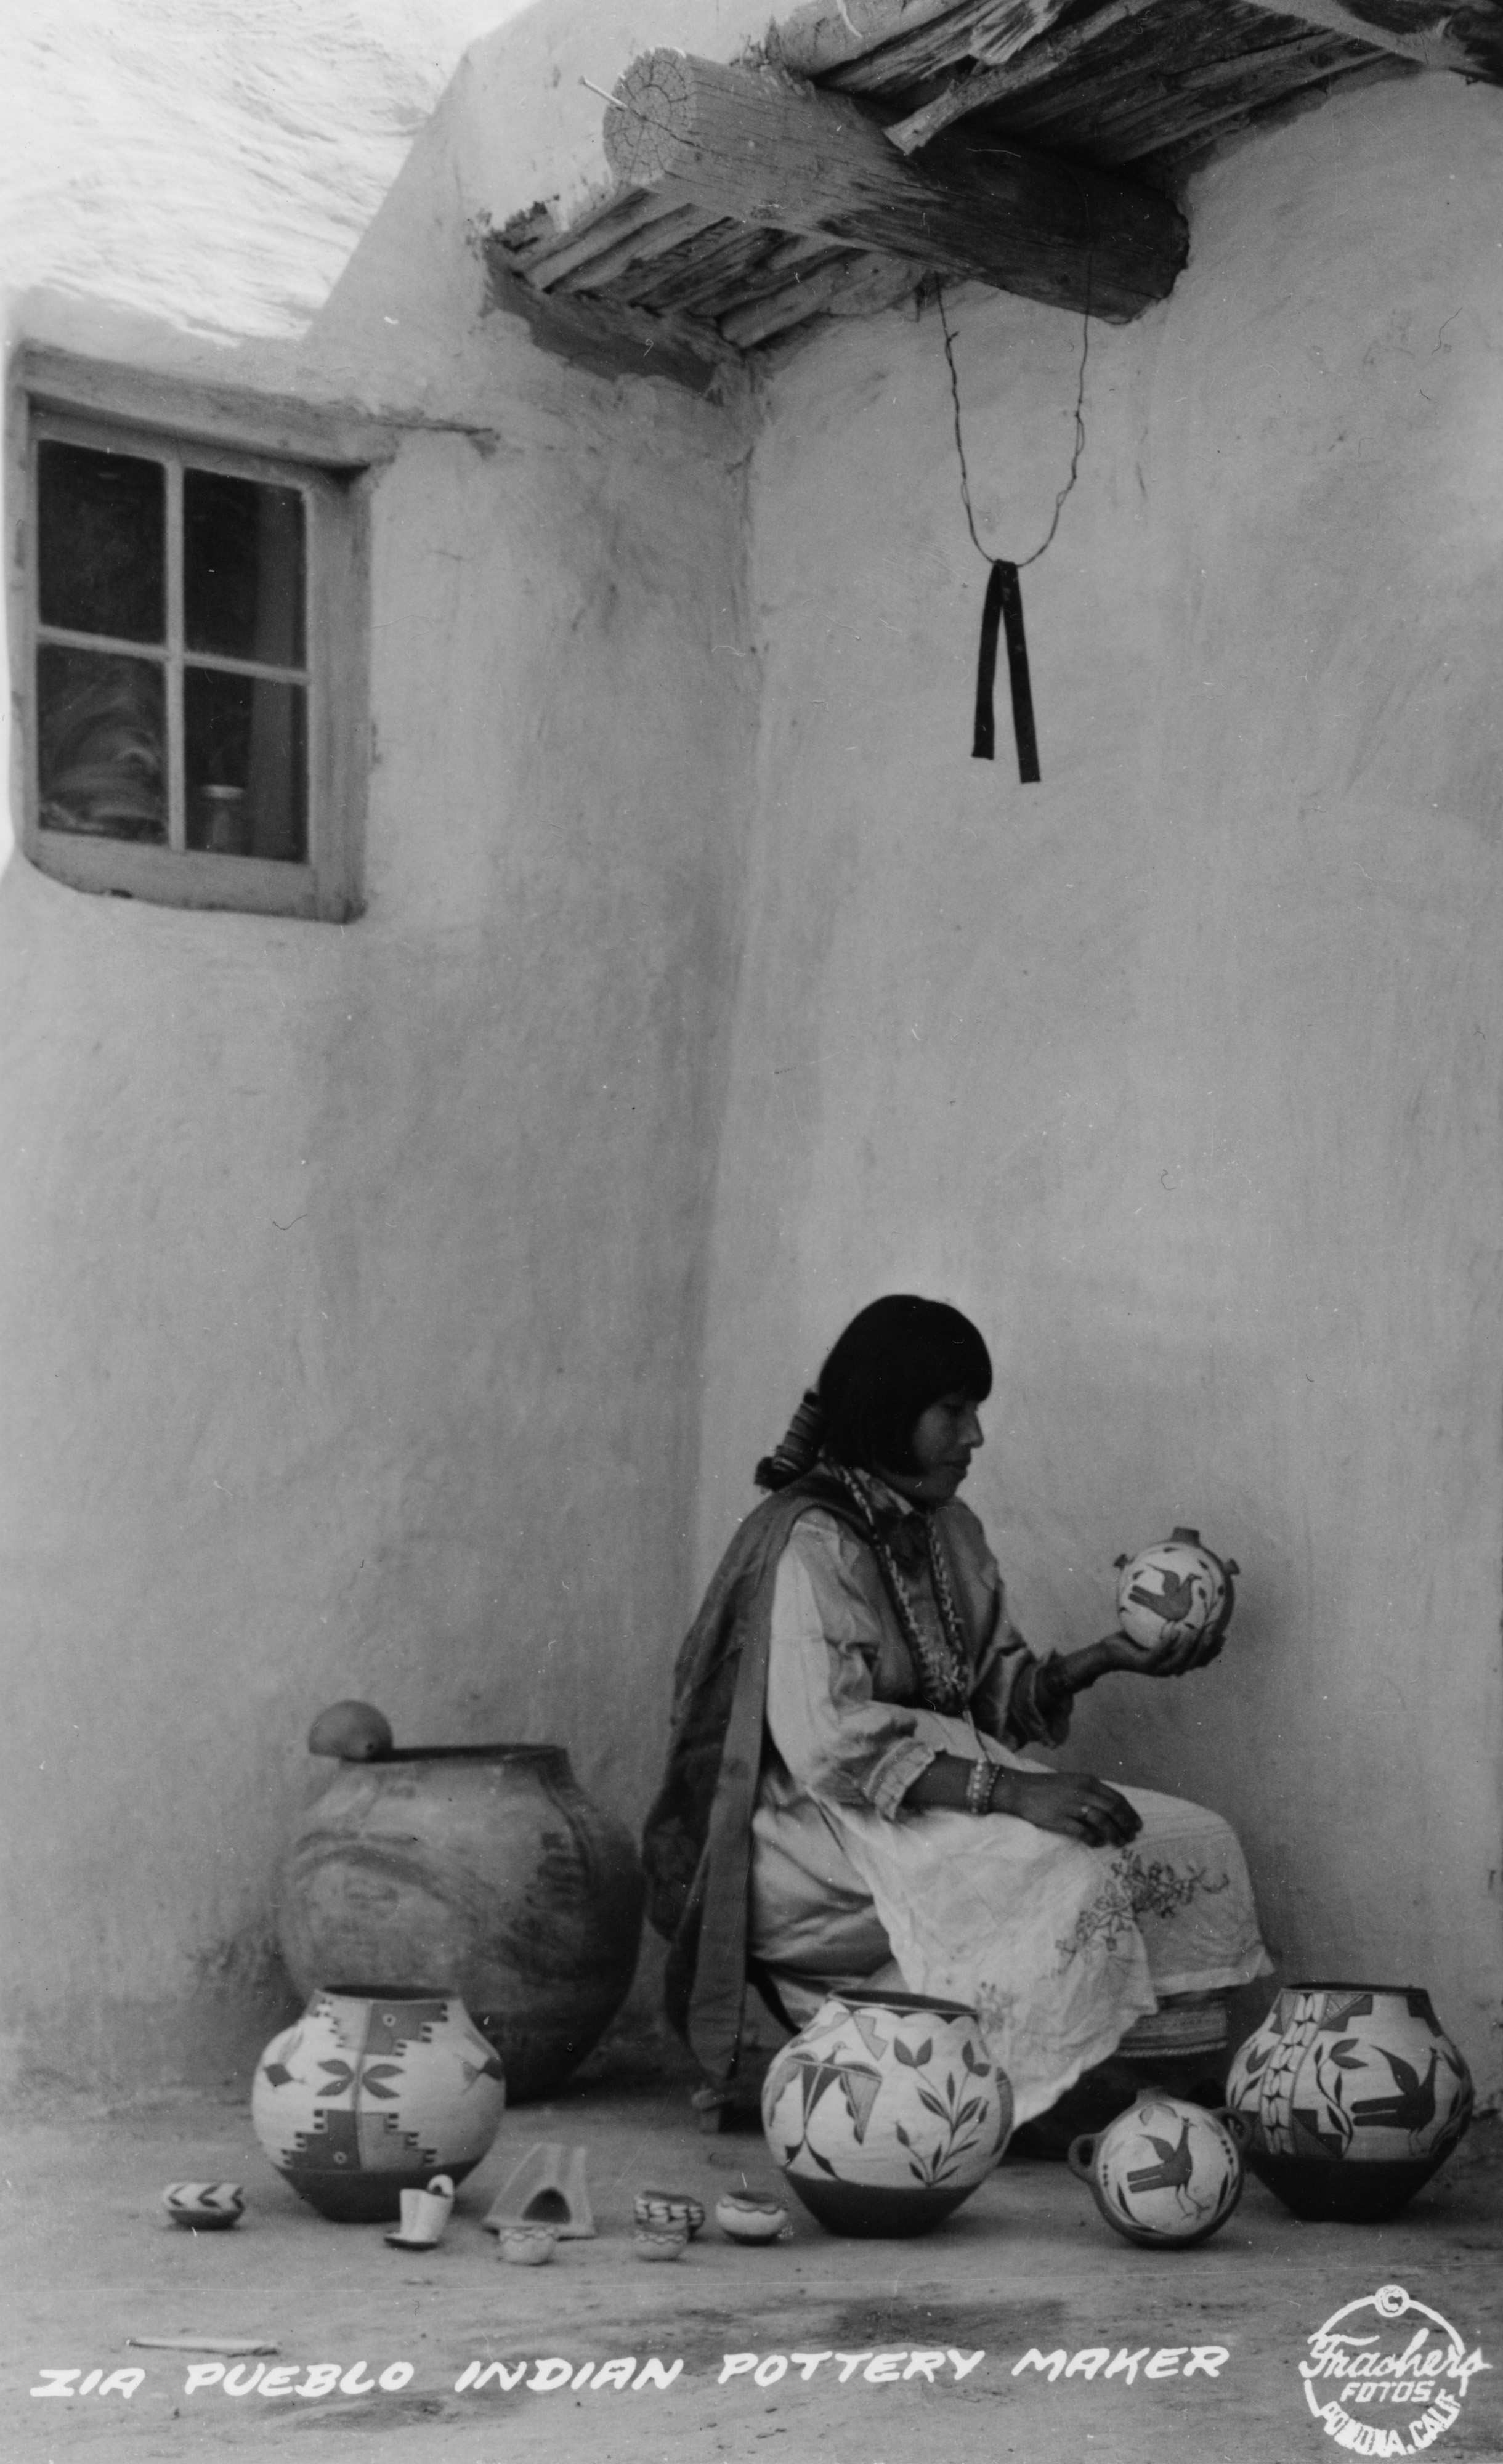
[1001,610]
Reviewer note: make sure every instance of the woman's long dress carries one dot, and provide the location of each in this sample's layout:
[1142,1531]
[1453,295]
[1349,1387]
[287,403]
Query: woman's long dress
[1058,1948]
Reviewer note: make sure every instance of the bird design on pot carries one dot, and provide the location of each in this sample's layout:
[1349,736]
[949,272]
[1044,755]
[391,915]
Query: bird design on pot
[1172,2172]
[1356,2095]
[1188,2189]
[1175,1589]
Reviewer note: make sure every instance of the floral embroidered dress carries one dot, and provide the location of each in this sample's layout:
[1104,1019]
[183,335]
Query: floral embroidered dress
[1058,1948]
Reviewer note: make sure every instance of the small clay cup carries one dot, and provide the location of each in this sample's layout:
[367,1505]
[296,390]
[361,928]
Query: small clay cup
[743,2216]
[527,2245]
[661,2242]
[424,2214]
[666,2211]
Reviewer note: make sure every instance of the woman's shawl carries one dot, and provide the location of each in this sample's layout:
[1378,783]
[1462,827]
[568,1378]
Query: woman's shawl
[698,1839]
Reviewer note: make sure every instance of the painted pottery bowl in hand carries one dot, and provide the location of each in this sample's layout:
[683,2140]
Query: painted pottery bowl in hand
[1173,1591]
[885,2112]
[1355,2096]
[1165,2174]
[204,2207]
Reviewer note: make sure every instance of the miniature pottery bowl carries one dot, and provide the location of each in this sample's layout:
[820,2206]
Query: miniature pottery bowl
[743,2216]
[667,2211]
[527,2245]
[661,2241]
[204,2207]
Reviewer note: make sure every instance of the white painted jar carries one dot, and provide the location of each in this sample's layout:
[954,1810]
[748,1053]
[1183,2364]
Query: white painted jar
[886,2111]
[1355,2096]
[371,2094]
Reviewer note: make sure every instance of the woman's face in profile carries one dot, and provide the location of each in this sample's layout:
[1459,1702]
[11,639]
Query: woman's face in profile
[944,1439]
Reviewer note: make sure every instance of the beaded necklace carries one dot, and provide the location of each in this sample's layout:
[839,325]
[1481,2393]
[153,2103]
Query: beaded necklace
[942,1670]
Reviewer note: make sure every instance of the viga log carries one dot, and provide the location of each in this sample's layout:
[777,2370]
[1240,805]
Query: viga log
[751,146]
[483,1871]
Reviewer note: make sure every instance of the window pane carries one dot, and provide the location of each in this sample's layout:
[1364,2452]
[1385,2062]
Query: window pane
[242,568]
[101,535]
[246,765]
[101,753]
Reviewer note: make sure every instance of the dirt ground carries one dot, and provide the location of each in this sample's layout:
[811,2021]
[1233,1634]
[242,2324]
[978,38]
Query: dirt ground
[90,2261]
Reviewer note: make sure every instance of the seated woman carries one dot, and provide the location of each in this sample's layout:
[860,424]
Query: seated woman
[847,1800]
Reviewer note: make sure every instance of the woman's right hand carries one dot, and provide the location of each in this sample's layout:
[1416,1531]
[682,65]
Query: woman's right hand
[1070,1802]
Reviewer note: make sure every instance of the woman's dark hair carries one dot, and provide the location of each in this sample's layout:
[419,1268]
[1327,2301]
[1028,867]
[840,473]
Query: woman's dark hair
[899,1356]
[894,1359]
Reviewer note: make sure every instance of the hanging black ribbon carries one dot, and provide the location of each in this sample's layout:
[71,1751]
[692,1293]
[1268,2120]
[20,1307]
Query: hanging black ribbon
[1003,612]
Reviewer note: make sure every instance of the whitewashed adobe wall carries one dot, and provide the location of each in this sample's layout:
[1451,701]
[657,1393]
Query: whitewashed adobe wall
[352,1290]
[1182,1070]
[1179,1070]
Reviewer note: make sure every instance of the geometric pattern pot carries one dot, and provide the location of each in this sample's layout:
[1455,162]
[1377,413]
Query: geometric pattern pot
[1355,2096]
[369,2094]
[885,2112]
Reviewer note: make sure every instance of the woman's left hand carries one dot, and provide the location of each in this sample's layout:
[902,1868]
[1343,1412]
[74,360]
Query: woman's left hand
[1170,1658]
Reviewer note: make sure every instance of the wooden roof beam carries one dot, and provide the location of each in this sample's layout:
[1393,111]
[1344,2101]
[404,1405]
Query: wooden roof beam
[756,147]
[1021,52]
[1434,34]
[1020,68]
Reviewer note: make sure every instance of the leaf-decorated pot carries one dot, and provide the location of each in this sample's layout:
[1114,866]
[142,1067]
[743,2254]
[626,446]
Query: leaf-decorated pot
[885,2112]
[370,2094]
[1165,2173]
[1355,2096]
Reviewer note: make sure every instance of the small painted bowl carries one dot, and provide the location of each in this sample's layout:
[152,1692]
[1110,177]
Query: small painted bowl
[656,2242]
[745,2217]
[667,2211]
[527,2245]
[205,2207]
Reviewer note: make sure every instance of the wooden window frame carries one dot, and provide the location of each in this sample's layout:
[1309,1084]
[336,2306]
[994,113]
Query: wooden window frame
[329,457]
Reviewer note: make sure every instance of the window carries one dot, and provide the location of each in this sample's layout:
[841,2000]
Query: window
[195,650]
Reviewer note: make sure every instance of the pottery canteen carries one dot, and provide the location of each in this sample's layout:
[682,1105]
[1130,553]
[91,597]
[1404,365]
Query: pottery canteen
[370,2094]
[1355,2096]
[483,1871]
[885,2112]
[1172,1590]
[1165,2174]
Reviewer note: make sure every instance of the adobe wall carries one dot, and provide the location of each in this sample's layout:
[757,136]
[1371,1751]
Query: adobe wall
[1182,1069]
[354,1276]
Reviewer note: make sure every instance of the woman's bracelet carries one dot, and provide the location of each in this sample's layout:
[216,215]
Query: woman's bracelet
[980,1786]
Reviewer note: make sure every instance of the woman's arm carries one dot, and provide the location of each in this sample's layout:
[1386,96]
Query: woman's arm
[1069,1802]
[835,1738]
